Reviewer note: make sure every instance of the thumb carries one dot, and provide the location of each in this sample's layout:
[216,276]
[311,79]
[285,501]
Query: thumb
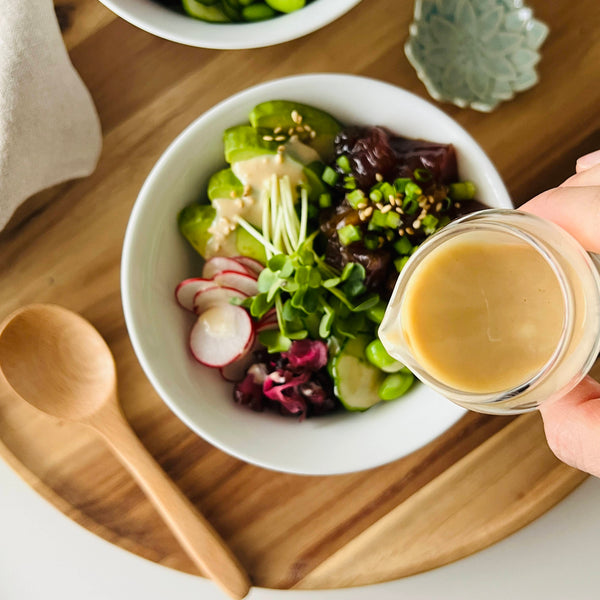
[572,425]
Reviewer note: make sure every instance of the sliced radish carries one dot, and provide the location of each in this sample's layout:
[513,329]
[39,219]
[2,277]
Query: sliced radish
[267,325]
[188,288]
[216,264]
[221,335]
[268,321]
[215,296]
[236,370]
[255,266]
[238,281]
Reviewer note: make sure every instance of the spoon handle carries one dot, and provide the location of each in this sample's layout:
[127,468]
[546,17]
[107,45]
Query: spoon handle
[198,538]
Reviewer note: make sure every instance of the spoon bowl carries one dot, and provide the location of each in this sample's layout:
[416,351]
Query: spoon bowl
[58,362]
[74,371]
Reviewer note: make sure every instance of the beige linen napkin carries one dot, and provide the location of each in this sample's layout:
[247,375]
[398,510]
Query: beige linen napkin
[49,128]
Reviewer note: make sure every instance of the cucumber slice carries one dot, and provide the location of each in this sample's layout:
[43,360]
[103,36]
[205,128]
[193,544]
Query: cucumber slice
[285,114]
[222,183]
[211,13]
[356,381]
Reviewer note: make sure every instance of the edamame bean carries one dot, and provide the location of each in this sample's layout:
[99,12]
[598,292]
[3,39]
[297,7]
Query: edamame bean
[286,6]
[396,385]
[377,355]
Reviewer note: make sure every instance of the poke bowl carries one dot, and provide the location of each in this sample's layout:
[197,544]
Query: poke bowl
[307,314]
[181,20]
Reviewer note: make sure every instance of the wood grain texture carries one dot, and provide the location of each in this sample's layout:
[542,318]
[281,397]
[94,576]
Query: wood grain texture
[481,480]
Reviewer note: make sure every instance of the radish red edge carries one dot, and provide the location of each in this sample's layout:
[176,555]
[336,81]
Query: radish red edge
[216,346]
[250,263]
[217,264]
[186,291]
[216,296]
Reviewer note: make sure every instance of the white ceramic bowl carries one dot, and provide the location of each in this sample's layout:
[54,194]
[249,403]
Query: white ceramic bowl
[156,257]
[166,23]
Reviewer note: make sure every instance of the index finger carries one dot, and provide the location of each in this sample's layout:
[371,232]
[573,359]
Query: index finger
[575,209]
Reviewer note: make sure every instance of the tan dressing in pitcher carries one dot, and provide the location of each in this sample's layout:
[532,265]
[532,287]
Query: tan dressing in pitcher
[483,312]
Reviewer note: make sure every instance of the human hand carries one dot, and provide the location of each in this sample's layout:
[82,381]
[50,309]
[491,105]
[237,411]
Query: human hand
[572,423]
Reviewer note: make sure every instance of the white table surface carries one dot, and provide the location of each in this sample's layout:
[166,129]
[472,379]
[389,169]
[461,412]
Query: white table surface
[45,556]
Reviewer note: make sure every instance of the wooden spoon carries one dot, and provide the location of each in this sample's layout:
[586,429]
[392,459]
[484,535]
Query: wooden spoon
[55,360]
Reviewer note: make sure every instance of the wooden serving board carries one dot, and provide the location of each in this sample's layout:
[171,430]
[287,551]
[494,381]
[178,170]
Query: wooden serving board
[478,482]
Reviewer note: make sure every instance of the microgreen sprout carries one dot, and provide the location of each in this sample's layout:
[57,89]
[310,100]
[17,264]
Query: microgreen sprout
[310,297]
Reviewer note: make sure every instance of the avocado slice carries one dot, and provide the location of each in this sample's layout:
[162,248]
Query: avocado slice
[248,246]
[243,142]
[194,221]
[292,115]
[223,183]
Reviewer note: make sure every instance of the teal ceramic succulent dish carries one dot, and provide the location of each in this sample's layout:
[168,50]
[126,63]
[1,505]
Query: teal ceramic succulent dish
[475,53]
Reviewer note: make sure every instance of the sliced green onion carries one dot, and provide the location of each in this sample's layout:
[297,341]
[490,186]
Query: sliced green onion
[325,200]
[330,176]
[412,189]
[429,224]
[422,174]
[403,246]
[375,195]
[392,219]
[355,198]
[378,219]
[463,190]
[349,234]
[400,262]
[387,189]
[371,241]
[400,184]
[349,182]
[410,205]
[343,163]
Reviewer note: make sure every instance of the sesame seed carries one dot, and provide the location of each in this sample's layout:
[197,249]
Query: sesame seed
[239,203]
[386,209]
[280,149]
[438,207]
[296,117]
[416,224]
[392,200]
[361,215]
[313,134]
[400,232]
[268,138]
[399,210]
[291,131]
[368,211]
[280,138]
[379,205]
[362,205]
[247,190]
[457,204]
[379,176]
[232,194]
[409,231]
[277,130]
[293,138]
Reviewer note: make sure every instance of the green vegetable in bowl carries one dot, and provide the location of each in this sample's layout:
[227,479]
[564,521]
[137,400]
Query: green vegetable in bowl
[239,11]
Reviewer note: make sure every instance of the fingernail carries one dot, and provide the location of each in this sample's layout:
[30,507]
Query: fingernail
[589,160]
